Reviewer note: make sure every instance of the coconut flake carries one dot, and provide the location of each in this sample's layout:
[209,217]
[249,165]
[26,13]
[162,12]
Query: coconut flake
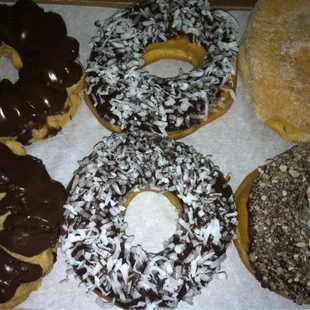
[95,237]
[119,47]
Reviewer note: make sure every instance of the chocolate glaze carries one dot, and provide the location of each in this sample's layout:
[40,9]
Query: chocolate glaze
[105,110]
[13,272]
[48,55]
[34,201]
[33,207]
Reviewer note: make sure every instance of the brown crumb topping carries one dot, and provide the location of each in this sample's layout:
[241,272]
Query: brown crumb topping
[279,230]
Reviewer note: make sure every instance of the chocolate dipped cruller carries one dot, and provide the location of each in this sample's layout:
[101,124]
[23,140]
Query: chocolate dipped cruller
[45,96]
[31,208]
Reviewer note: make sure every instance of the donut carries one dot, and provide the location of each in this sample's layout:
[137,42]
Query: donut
[122,94]
[274,62]
[95,241]
[273,234]
[31,209]
[45,97]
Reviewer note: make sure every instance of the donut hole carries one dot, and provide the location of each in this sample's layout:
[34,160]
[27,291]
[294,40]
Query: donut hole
[173,57]
[151,219]
[7,70]
[166,68]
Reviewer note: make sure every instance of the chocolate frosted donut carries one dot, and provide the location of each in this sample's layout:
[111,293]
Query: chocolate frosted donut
[95,239]
[45,96]
[273,232]
[30,215]
[122,94]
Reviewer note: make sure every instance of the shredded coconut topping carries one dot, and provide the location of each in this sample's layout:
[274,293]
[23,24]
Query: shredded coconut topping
[95,240]
[126,95]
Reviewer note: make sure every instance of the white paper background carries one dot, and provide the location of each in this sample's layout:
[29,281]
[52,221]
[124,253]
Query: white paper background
[238,142]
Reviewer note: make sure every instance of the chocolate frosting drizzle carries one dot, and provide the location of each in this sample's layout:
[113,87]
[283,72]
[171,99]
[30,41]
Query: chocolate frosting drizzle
[33,204]
[48,56]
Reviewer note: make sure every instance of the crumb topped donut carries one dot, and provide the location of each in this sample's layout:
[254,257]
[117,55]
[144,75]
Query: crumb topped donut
[122,94]
[274,62]
[273,232]
[95,240]
[45,96]
[31,208]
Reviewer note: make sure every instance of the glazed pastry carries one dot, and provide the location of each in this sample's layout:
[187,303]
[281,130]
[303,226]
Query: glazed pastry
[95,240]
[123,95]
[45,97]
[273,204]
[274,62]
[31,208]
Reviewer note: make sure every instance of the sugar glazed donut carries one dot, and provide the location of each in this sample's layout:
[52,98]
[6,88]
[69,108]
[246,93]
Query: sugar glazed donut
[45,97]
[122,94]
[95,240]
[274,62]
[31,208]
[273,232]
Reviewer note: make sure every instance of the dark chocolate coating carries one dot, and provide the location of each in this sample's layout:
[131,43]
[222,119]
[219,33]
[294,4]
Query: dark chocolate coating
[35,203]
[13,272]
[48,56]
[34,200]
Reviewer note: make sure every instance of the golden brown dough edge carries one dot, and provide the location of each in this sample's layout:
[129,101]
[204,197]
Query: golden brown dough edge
[242,242]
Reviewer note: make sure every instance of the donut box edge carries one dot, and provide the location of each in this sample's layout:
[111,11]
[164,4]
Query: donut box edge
[243,5]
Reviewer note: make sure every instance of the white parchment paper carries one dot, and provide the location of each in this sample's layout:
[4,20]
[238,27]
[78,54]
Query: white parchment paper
[238,143]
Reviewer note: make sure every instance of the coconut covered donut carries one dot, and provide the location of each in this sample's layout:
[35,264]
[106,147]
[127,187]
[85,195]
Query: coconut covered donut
[273,204]
[274,62]
[31,207]
[122,94]
[45,97]
[95,240]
